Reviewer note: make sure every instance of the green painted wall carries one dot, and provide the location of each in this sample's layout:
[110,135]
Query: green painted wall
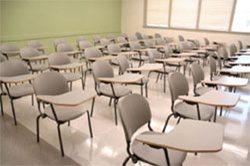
[45,20]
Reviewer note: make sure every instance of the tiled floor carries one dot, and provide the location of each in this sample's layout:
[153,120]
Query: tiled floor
[108,147]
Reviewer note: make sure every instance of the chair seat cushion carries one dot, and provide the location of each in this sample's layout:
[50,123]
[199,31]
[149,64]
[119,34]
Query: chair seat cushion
[72,76]
[64,113]
[190,111]
[40,67]
[157,156]
[120,90]
[21,90]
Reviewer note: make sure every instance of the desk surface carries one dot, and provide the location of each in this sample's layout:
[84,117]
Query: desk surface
[171,60]
[35,58]
[72,98]
[228,81]
[147,67]
[241,60]
[67,66]
[186,54]
[188,136]
[101,58]
[122,79]
[237,70]
[18,79]
[214,98]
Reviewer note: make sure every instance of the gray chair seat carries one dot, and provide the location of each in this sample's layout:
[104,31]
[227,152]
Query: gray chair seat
[157,156]
[64,113]
[120,91]
[190,111]
[39,67]
[72,76]
[21,90]
[202,90]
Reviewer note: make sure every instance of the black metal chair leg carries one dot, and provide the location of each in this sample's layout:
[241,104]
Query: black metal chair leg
[146,89]
[92,107]
[13,111]
[157,78]
[38,128]
[32,100]
[110,101]
[60,139]
[90,127]
[142,89]
[221,109]
[178,121]
[1,104]
[83,84]
[126,161]
[166,123]
[215,114]
[115,104]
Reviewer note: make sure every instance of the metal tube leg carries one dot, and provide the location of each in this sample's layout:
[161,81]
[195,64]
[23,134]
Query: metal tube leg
[126,161]
[13,111]
[146,89]
[92,107]
[1,104]
[166,123]
[38,128]
[110,101]
[142,89]
[221,109]
[115,104]
[157,77]
[90,127]
[32,100]
[164,84]
[215,114]
[60,139]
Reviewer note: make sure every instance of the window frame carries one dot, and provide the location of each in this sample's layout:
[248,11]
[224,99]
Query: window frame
[196,29]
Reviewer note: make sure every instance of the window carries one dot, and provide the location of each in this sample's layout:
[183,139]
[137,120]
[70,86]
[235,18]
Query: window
[216,14]
[184,13]
[204,15]
[157,13]
[241,21]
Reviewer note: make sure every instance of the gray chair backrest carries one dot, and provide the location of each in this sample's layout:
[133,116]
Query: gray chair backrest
[2,58]
[92,52]
[185,46]
[50,83]
[7,47]
[153,54]
[96,38]
[59,59]
[168,51]
[133,38]
[149,43]
[84,44]
[104,42]
[64,47]
[80,38]
[114,48]
[135,45]
[197,73]
[232,49]
[124,35]
[213,66]
[159,41]
[145,37]
[138,35]
[59,41]
[181,38]
[123,63]
[240,44]
[13,67]
[178,85]
[206,41]
[102,69]
[34,44]
[135,112]
[29,52]
[157,35]
[121,39]
[222,52]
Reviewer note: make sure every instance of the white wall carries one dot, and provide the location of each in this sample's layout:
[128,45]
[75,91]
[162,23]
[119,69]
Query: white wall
[132,21]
